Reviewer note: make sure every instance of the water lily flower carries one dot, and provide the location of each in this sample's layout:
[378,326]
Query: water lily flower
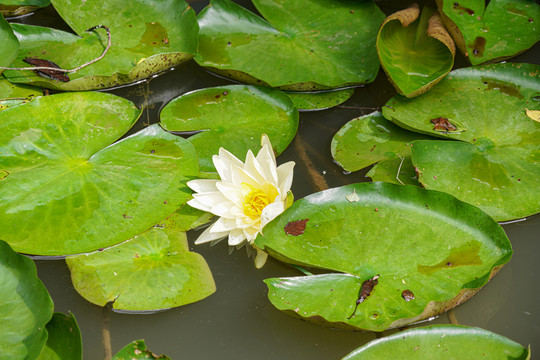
[248,196]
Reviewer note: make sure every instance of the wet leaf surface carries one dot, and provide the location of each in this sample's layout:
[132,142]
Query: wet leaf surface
[319,100]
[64,340]
[10,44]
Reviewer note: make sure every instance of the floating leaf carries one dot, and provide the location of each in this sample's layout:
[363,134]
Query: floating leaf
[69,191]
[59,75]
[233,117]
[533,114]
[500,30]
[397,170]
[12,94]
[10,44]
[152,271]
[441,342]
[331,45]
[369,139]
[415,50]
[147,38]
[497,171]
[21,7]
[64,341]
[319,100]
[427,242]
[26,307]
[137,351]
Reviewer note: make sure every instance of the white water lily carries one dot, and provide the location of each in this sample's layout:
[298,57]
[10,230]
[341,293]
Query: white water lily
[248,196]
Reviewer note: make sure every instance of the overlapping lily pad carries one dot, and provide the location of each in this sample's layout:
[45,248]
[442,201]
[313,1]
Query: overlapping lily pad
[502,29]
[441,342]
[233,117]
[13,94]
[495,165]
[10,44]
[64,341]
[26,307]
[66,190]
[415,50]
[137,351]
[21,7]
[311,101]
[298,45]
[153,271]
[423,252]
[147,38]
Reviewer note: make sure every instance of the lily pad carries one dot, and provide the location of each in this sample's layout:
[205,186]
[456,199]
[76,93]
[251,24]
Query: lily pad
[26,306]
[233,117]
[369,139]
[441,342]
[500,30]
[137,351]
[152,271]
[21,7]
[395,170]
[147,38]
[485,107]
[423,252]
[415,50]
[13,94]
[67,190]
[300,45]
[64,341]
[310,101]
[10,44]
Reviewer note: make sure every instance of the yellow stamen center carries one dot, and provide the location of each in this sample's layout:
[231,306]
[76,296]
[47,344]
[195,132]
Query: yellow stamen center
[255,199]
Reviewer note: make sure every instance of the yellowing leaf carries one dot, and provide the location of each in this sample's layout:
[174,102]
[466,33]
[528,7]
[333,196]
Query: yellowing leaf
[352,197]
[533,114]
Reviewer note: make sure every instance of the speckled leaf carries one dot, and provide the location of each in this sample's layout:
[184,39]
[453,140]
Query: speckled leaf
[21,7]
[66,190]
[64,341]
[137,351]
[501,30]
[387,170]
[26,307]
[301,45]
[415,50]
[13,94]
[369,139]
[233,117]
[486,105]
[440,249]
[152,271]
[441,342]
[147,38]
[305,101]
[10,44]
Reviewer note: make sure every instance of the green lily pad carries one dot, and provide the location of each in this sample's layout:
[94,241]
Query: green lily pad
[484,106]
[21,7]
[10,44]
[64,341]
[137,351]
[395,170]
[13,94]
[330,45]
[147,38]
[66,190]
[415,50]
[187,218]
[319,100]
[429,251]
[500,30]
[369,139]
[26,306]
[152,271]
[233,117]
[441,342]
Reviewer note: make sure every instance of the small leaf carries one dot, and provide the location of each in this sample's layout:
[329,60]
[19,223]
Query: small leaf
[533,114]
[352,197]
[137,351]
[64,340]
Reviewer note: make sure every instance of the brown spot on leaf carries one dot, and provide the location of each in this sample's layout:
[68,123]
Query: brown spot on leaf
[365,291]
[478,46]
[407,295]
[295,228]
[461,9]
[442,124]
[51,74]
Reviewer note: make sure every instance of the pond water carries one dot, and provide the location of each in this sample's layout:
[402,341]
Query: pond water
[238,321]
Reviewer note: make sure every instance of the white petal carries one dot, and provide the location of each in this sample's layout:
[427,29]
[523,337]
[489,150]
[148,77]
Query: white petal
[255,170]
[223,225]
[224,162]
[251,234]
[194,203]
[236,237]
[231,191]
[207,235]
[203,185]
[260,259]
[285,177]
[240,175]
[271,211]
[267,162]
[223,209]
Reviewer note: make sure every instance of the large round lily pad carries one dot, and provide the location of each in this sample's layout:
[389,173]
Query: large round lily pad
[484,106]
[441,342]
[233,117]
[153,271]
[404,254]
[65,189]
[415,50]
[301,44]
[502,29]
[147,37]
[64,341]
[26,307]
